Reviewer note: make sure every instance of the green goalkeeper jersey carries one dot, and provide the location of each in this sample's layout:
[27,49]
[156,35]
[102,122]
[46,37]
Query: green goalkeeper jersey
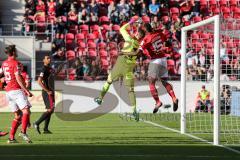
[130,45]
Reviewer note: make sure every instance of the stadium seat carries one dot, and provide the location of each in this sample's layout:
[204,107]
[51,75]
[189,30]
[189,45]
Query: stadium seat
[104,64]
[165,19]
[104,31]
[91,46]
[69,41]
[81,49]
[70,55]
[174,11]
[61,75]
[226,12]
[84,29]
[80,37]
[197,19]
[116,28]
[236,13]
[203,2]
[145,19]
[102,46]
[71,74]
[92,54]
[112,46]
[73,29]
[91,37]
[103,54]
[104,20]
[113,53]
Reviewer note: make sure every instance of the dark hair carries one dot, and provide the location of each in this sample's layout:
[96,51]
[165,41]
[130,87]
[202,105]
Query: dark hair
[141,32]
[148,27]
[9,50]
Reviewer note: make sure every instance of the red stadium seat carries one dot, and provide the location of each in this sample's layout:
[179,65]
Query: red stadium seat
[80,37]
[104,20]
[84,29]
[71,74]
[226,12]
[174,11]
[165,19]
[70,55]
[116,28]
[223,3]
[91,37]
[102,46]
[197,19]
[145,19]
[91,46]
[73,29]
[113,53]
[92,54]
[69,41]
[103,54]
[216,11]
[203,2]
[104,64]
[236,13]
[112,46]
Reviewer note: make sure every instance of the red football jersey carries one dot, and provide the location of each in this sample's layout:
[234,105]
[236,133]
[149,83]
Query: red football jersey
[26,78]
[152,45]
[10,68]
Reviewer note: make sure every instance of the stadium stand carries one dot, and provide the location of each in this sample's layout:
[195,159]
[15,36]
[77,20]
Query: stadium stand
[90,28]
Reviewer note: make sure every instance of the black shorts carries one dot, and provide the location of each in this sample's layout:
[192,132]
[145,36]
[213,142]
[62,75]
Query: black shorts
[49,100]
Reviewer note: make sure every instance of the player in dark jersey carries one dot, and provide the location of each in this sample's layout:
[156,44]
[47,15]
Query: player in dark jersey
[46,83]
[153,46]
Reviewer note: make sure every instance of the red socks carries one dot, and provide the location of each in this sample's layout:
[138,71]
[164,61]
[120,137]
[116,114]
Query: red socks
[170,90]
[154,92]
[15,124]
[25,122]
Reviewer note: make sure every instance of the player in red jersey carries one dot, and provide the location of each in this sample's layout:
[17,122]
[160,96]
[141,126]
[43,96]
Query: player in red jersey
[153,46]
[15,88]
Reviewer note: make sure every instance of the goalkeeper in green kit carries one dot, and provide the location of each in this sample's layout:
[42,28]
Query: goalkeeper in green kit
[125,65]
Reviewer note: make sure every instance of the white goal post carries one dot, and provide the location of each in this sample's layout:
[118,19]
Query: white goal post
[216,122]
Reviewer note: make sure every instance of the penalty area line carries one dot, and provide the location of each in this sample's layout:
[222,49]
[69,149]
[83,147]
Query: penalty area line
[189,135]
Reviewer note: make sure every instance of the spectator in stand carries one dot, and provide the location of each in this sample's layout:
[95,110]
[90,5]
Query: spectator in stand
[144,10]
[30,5]
[62,7]
[83,17]
[113,13]
[123,9]
[92,7]
[102,9]
[95,70]
[58,57]
[85,69]
[57,43]
[154,8]
[186,7]
[203,100]
[72,17]
[51,7]
[134,8]
[41,6]
[61,26]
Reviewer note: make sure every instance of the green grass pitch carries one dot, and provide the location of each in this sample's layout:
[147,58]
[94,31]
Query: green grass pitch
[109,137]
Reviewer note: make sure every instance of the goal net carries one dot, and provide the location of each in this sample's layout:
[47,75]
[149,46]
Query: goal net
[210,93]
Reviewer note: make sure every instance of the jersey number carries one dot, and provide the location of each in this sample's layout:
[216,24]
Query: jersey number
[157,45]
[7,74]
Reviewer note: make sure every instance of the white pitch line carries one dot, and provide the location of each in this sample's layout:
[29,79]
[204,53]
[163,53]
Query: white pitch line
[189,135]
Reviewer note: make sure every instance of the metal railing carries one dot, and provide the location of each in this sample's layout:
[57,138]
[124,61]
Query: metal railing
[28,29]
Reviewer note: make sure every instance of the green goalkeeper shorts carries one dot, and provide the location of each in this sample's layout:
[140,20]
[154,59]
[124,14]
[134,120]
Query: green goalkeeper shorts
[124,68]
